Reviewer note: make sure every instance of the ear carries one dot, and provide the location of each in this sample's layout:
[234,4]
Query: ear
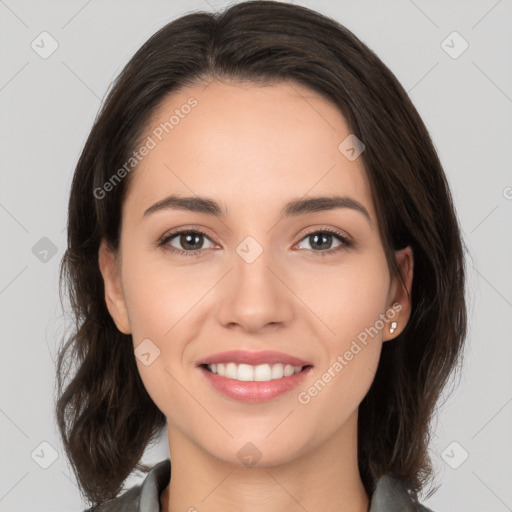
[114,295]
[399,309]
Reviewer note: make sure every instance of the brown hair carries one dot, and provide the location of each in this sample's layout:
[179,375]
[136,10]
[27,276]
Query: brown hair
[105,416]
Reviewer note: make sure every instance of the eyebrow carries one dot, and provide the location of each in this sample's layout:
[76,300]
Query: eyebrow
[293,208]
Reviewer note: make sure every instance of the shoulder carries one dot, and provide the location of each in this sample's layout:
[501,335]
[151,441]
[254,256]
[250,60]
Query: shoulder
[144,497]
[390,494]
[127,502]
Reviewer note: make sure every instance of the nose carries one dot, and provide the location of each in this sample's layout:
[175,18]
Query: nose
[255,296]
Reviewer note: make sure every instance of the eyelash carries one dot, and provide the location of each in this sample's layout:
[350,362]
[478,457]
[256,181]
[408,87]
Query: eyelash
[345,242]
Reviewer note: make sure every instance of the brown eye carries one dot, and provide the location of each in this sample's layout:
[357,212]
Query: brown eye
[321,241]
[187,243]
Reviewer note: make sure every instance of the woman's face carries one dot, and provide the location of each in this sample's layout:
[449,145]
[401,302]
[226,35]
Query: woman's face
[260,279]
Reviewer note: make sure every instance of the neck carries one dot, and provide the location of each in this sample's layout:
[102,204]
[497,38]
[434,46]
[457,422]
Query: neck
[324,479]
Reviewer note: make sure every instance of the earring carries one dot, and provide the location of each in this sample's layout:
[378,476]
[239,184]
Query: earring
[394,325]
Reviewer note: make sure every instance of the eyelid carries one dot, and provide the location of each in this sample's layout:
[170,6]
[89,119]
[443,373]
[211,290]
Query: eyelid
[335,231]
[183,229]
[345,239]
[163,241]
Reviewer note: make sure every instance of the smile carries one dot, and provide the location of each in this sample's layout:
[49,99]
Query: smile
[274,380]
[260,373]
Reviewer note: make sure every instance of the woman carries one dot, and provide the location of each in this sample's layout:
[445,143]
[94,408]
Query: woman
[263,256]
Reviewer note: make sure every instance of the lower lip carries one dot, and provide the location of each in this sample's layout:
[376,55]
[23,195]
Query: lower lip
[252,391]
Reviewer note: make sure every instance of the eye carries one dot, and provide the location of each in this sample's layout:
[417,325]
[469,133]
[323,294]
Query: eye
[191,242]
[322,239]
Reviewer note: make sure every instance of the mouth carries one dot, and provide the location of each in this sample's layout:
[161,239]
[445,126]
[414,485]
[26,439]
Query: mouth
[253,377]
[254,373]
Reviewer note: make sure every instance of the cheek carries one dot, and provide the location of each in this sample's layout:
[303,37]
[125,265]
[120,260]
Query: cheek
[158,297]
[350,301]
[159,303]
[347,298]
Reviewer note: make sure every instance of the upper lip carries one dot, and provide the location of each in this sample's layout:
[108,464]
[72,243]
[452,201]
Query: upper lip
[253,358]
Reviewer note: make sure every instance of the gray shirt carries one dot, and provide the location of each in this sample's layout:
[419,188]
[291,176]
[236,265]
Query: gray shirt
[389,496]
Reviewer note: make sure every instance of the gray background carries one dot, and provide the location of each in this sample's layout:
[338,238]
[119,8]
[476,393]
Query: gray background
[47,109]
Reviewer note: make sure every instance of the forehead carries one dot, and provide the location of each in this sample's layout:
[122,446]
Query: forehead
[247,145]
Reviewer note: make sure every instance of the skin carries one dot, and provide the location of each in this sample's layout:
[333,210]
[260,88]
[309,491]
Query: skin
[253,148]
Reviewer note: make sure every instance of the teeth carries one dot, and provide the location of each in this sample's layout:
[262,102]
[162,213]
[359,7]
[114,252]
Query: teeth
[247,372]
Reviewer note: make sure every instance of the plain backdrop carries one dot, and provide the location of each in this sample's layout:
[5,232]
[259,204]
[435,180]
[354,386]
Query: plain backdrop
[48,104]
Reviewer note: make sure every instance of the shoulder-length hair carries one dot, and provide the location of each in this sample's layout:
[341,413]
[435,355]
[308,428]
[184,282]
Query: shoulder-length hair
[104,414]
